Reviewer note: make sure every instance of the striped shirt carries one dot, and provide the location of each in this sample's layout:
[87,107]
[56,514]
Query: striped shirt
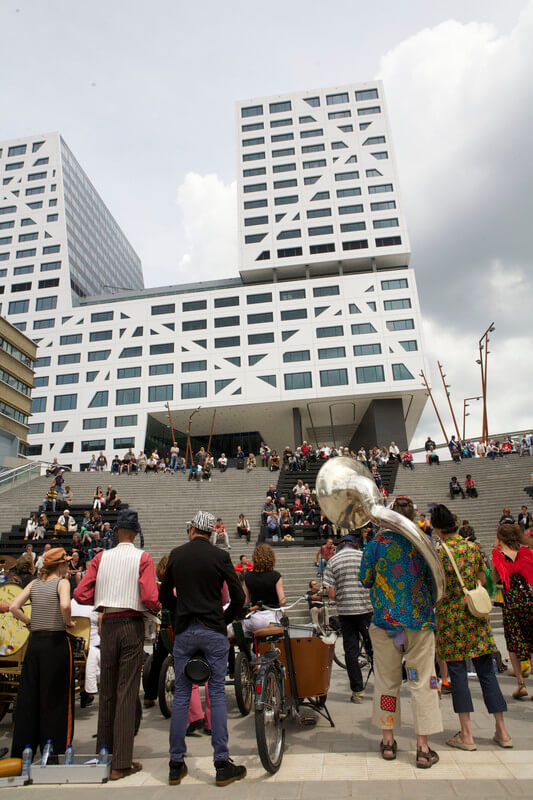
[45,609]
[341,574]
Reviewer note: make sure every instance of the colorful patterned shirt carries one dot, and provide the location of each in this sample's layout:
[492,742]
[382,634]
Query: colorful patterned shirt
[399,582]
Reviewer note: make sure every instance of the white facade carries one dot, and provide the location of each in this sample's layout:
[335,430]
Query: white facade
[317,183]
[290,350]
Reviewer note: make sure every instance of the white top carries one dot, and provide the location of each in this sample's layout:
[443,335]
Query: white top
[78,610]
[117,581]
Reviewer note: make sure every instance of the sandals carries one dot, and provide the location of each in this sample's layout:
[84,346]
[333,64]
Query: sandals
[388,751]
[117,774]
[503,742]
[426,759]
[521,693]
[457,742]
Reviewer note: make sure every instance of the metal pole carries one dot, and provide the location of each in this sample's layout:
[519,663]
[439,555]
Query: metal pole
[434,406]
[171,428]
[464,419]
[485,337]
[211,432]
[449,400]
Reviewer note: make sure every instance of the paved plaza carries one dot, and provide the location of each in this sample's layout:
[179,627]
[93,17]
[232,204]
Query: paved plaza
[326,762]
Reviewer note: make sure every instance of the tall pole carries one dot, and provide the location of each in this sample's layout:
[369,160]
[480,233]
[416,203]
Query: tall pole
[465,415]
[483,345]
[434,405]
[446,387]
[188,449]
[211,432]
[171,428]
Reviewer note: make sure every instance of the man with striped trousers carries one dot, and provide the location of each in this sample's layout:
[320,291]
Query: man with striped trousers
[122,583]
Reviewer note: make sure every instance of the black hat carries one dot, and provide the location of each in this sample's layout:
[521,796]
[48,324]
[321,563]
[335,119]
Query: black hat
[349,538]
[442,518]
[128,520]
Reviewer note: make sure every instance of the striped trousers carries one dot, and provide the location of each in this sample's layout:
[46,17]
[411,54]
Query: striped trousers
[121,649]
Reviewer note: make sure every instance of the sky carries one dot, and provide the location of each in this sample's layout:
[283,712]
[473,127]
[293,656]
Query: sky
[144,96]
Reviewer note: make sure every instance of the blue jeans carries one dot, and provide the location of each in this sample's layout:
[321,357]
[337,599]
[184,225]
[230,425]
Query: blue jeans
[173,462]
[461,697]
[47,503]
[215,647]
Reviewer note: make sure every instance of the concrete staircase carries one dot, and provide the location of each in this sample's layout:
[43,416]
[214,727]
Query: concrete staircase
[165,503]
[499,483]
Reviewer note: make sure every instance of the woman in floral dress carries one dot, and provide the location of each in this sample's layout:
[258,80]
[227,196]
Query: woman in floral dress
[461,636]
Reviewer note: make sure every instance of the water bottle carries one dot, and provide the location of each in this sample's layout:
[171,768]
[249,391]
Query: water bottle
[69,755]
[27,755]
[103,755]
[46,752]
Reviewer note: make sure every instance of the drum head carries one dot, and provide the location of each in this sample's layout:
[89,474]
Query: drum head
[82,628]
[13,633]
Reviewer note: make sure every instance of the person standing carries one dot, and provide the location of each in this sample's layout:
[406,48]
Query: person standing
[403,627]
[193,585]
[341,579]
[45,702]
[122,584]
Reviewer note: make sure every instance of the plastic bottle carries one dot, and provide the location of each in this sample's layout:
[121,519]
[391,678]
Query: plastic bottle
[27,756]
[46,752]
[69,755]
[103,755]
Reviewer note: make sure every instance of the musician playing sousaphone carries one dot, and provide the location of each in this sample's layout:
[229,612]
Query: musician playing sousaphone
[403,627]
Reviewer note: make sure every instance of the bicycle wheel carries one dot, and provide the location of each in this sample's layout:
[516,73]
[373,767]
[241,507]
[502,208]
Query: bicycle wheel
[269,729]
[338,653]
[243,684]
[165,689]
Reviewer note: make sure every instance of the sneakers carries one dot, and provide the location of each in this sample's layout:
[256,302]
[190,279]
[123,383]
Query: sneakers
[177,771]
[228,772]
[357,697]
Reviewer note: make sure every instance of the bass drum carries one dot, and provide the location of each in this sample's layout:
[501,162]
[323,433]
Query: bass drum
[13,633]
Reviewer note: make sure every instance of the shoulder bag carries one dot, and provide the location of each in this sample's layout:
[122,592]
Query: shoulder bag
[478,600]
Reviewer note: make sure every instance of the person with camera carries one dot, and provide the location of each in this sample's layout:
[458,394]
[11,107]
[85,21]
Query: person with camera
[193,585]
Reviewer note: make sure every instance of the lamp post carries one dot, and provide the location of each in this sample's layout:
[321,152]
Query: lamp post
[483,345]
[426,384]
[465,415]
[446,388]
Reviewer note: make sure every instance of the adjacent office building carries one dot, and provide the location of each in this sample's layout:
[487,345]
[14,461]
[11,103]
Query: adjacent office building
[17,356]
[318,338]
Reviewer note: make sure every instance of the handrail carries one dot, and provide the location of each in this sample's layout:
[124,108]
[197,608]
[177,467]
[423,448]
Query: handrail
[15,474]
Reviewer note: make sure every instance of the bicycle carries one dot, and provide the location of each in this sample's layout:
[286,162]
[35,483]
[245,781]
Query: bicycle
[288,678]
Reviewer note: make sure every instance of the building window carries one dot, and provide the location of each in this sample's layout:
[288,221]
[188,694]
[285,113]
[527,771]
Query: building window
[373,349]
[388,241]
[264,297]
[131,352]
[400,325]
[331,352]
[253,156]
[249,221]
[254,141]
[40,324]
[395,305]
[339,114]
[320,230]
[366,94]
[280,123]
[44,361]
[255,187]
[285,184]
[386,205]
[40,381]
[126,421]
[392,222]
[16,150]
[410,345]
[289,252]
[292,294]
[381,155]
[49,283]
[348,192]
[18,306]
[222,383]
[52,217]
[36,427]
[250,173]
[355,209]
[286,151]
[318,212]
[294,313]
[98,355]
[123,442]
[59,426]
[227,341]
[347,176]
[94,423]
[224,302]
[21,287]
[92,444]
[160,394]
[127,397]
[23,237]
[319,162]
[50,249]
[101,316]
[333,377]
[335,99]
[296,355]
[330,330]
[396,283]
[265,316]
[91,376]
[373,374]
[341,146]
[71,377]
[100,400]
[286,200]
[311,179]
[65,402]
[282,137]
[253,126]
[194,305]
[251,111]
[294,233]
[190,391]
[255,204]
[161,349]
[401,373]
[128,372]
[227,322]
[100,336]
[298,380]
[47,266]
[325,291]
[161,369]
[346,227]
[313,101]
[260,338]
[71,338]
[363,327]
[380,187]
[38,405]
[284,167]
[284,105]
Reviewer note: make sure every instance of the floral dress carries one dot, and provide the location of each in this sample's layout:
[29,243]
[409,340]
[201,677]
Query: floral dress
[459,634]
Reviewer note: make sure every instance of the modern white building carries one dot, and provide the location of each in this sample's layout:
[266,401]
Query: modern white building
[321,343]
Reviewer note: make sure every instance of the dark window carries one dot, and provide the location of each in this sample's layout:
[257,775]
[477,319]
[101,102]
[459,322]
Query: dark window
[363,327]
[284,105]
[123,442]
[286,184]
[18,306]
[93,444]
[373,349]
[131,352]
[194,305]
[292,294]
[361,244]
[98,355]
[190,391]
[401,373]
[330,330]
[100,336]
[296,355]
[409,345]
[334,99]
[400,325]
[346,176]
[331,352]
[227,341]
[325,291]
[38,405]
[100,400]
[286,200]
[71,338]
[65,402]
[395,305]
[355,209]
[294,313]
[373,374]
[125,420]
[128,372]
[266,316]
[260,338]
[194,325]
[160,394]
[396,283]
[255,187]
[94,423]
[40,324]
[289,252]
[298,380]
[165,308]
[265,297]
[161,369]
[126,397]
[48,283]
[101,316]
[223,302]
[71,377]
[226,322]
[388,241]
[333,377]
[251,111]
[159,349]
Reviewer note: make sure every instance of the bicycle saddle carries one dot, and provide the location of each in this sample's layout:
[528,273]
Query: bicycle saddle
[269,634]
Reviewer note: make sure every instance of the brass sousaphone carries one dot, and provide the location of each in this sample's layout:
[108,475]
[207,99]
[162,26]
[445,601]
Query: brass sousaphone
[349,497]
